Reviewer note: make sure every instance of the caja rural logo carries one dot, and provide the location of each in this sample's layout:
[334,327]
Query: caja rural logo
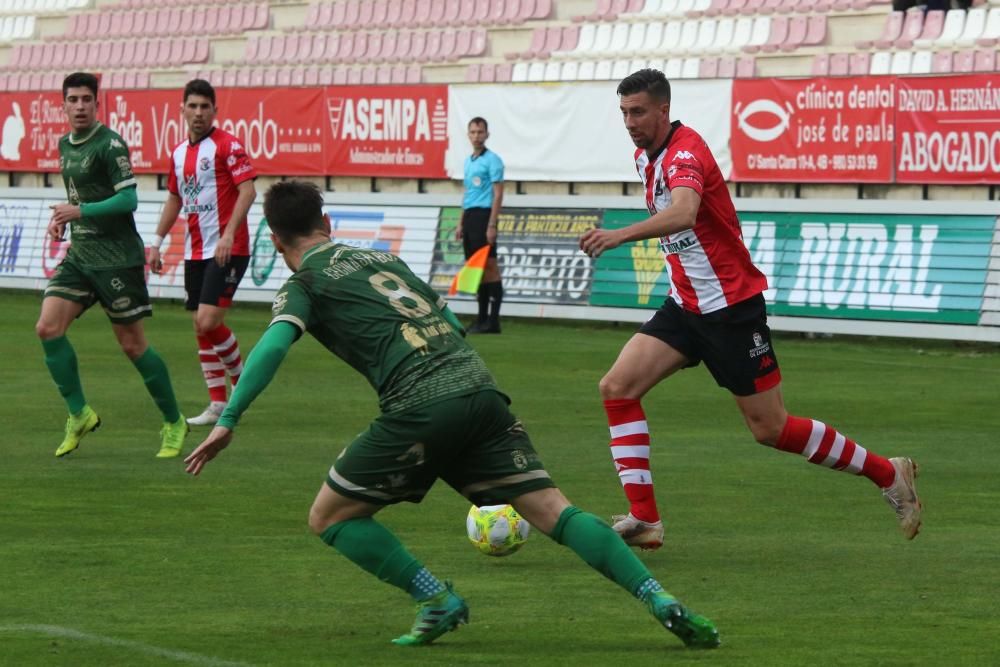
[765,109]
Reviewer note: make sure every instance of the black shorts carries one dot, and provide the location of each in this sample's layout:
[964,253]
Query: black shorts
[734,342]
[207,282]
[474,224]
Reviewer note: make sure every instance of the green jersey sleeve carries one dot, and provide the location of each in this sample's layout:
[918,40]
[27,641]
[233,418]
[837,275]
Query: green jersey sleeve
[293,305]
[117,164]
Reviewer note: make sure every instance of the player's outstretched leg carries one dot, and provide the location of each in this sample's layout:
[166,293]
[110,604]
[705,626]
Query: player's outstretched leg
[372,547]
[902,496]
[602,548]
[77,426]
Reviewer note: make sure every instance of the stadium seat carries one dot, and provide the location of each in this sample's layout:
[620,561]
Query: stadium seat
[933,25]
[921,63]
[891,30]
[602,70]
[672,68]
[724,30]
[820,65]
[519,73]
[815,30]
[671,35]
[746,67]
[552,71]
[503,72]
[954,26]
[737,6]
[570,71]
[760,35]
[704,8]
[964,62]
[619,39]
[901,62]
[688,38]
[705,38]
[797,28]
[708,68]
[913,26]
[991,33]
[619,70]
[602,39]
[975,24]
[585,72]
[880,63]
[986,61]
[859,64]
[742,33]
[776,36]
[941,62]
[727,67]
[652,39]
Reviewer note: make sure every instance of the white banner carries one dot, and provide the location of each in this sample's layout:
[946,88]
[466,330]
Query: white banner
[574,132]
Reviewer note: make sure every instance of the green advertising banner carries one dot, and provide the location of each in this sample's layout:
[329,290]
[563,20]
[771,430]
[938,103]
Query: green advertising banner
[854,266]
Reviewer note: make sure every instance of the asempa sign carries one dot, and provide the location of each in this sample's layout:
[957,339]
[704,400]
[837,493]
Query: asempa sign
[399,131]
[813,130]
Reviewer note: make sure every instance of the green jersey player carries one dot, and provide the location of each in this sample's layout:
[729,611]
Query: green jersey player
[104,264]
[442,416]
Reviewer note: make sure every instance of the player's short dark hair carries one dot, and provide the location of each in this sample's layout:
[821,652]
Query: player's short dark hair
[293,209]
[652,81]
[80,80]
[479,120]
[199,87]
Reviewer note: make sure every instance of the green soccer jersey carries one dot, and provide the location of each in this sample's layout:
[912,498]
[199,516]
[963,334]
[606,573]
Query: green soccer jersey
[369,309]
[94,167]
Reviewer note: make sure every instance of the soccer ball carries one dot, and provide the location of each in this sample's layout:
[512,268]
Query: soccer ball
[496,530]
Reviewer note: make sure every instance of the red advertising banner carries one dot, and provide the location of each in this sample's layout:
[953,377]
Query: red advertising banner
[948,130]
[32,126]
[280,129]
[399,131]
[813,130]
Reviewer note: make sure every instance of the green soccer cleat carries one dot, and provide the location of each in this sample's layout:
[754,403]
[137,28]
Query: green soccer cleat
[436,616]
[694,630]
[172,438]
[78,426]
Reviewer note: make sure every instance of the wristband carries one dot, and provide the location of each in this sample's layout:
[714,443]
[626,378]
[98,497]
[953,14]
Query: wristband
[157,241]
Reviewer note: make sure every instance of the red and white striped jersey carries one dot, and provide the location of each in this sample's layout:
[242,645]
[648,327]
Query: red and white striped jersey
[205,175]
[709,265]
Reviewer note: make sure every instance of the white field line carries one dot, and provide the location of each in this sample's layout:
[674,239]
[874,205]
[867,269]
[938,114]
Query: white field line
[70,633]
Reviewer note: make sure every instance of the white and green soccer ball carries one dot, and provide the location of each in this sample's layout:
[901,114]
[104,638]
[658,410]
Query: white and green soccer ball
[496,530]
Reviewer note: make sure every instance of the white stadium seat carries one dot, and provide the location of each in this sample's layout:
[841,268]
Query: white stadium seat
[520,72]
[880,63]
[742,33]
[723,35]
[570,71]
[619,39]
[901,62]
[921,63]
[552,71]
[620,70]
[673,68]
[602,70]
[636,38]
[689,70]
[602,39]
[586,71]
[671,35]
[689,37]
[706,36]
[991,33]
[536,71]
[975,25]
[954,24]
[761,31]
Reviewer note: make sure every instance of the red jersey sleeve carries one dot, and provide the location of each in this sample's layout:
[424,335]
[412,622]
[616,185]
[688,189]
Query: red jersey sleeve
[238,163]
[172,177]
[685,167]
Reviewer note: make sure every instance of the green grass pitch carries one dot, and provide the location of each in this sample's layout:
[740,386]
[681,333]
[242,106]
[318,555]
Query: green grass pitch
[113,557]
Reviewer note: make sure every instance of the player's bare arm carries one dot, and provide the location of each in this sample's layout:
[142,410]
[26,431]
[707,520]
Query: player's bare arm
[491,227]
[217,440]
[168,216]
[245,199]
[679,216]
[64,213]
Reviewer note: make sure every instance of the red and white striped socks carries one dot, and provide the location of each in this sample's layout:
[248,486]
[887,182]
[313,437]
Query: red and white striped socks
[212,369]
[630,451]
[823,445]
[228,351]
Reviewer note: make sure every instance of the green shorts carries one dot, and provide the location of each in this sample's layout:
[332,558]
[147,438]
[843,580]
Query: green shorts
[122,292]
[472,442]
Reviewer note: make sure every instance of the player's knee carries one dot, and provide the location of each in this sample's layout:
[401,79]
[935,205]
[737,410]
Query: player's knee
[612,387]
[47,330]
[133,349]
[765,431]
[320,520]
[203,324]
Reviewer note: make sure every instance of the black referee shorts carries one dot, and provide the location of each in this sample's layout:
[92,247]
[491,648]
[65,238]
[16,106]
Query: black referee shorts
[474,224]
[734,342]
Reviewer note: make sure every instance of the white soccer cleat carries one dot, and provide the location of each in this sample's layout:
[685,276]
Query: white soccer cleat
[902,496]
[209,416]
[636,533]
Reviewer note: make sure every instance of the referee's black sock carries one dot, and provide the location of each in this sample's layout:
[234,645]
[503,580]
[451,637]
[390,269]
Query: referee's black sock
[484,302]
[495,299]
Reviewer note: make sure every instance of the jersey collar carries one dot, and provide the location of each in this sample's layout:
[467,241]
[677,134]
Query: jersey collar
[475,157]
[666,142]
[205,136]
[315,249]
[76,141]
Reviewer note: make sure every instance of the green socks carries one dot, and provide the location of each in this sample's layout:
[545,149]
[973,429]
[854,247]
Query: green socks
[602,549]
[154,373]
[369,545]
[61,360]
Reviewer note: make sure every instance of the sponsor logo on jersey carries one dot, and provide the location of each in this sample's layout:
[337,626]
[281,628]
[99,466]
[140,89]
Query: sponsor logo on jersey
[121,304]
[242,170]
[85,163]
[674,247]
[683,155]
[205,164]
[519,459]
[659,188]
[191,187]
[671,171]
[123,165]
[279,302]
[114,143]
[74,196]
[117,284]
[231,160]
[766,362]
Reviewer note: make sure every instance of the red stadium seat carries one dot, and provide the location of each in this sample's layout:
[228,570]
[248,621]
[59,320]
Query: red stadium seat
[339,76]
[778,34]
[311,76]
[448,47]
[360,46]
[466,12]
[298,76]
[820,65]
[487,73]
[478,47]
[481,12]
[374,48]
[913,25]
[933,25]
[708,68]
[383,74]
[815,30]
[366,10]
[797,28]
[326,76]
[965,61]
[380,14]
[354,76]
[433,46]
[338,16]
[986,61]
[472,73]
[414,74]
[746,67]
[402,48]
[891,30]
[398,74]
[942,62]
[407,12]
[504,72]
[727,67]
[511,12]
[859,64]
[257,77]
[422,13]
[542,10]
[418,45]
[243,77]
[345,49]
